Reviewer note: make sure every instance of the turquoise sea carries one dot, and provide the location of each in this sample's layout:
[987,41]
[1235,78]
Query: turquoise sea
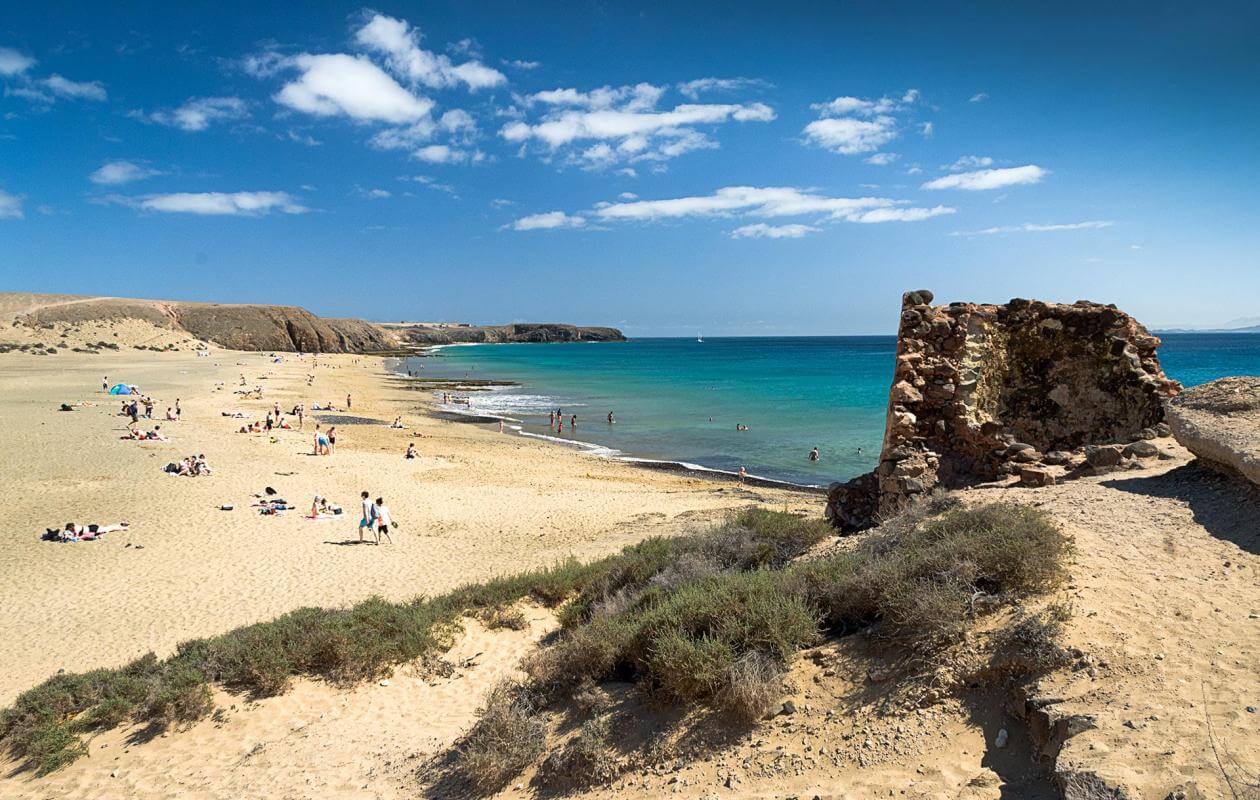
[681,400]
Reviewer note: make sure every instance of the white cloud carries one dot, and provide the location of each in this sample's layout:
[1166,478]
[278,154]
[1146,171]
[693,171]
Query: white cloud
[14,63]
[399,43]
[985,179]
[846,105]
[900,214]
[881,159]
[1032,227]
[761,230]
[548,221]
[978,97]
[373,194]
[337,84]
[694,88]
[197,113]
[218,203]
[623,124]
[849,136]
[969,163]
[10,206]
[75,90]
[527,65]
[627,196]
[768,202]
[853,125]
[926,129]
[116,173]
[445,154]
[432,183]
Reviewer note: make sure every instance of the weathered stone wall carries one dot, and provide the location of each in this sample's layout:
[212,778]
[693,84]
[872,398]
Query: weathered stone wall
[980,391]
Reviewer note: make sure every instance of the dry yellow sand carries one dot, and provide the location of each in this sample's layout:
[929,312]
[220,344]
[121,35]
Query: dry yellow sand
[475,504]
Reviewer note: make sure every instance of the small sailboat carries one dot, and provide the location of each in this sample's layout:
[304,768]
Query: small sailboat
[699,338]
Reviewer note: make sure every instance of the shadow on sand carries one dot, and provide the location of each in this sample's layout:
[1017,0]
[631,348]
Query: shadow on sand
[1225,504]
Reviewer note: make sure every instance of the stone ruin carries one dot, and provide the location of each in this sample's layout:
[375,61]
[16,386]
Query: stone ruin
[983,392]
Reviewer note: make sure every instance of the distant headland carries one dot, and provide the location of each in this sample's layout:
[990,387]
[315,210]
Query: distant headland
[246,326]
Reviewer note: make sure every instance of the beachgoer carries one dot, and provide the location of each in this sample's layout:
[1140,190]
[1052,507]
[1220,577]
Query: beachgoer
[178,410]
[347,402]
[275,407]
[813,454]
[611,421]
[573,424]
[500,426]
[411,450]
[743,473]
[551,420]
[269,422]
[170,415]
[105,383]
[369,514]
[301,415]
[332,440]
[383,520]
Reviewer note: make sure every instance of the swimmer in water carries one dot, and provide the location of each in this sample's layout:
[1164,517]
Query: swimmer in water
[611,421]
[813,454]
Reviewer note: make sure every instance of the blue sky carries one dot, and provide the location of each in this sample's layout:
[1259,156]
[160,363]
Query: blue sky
[738,169]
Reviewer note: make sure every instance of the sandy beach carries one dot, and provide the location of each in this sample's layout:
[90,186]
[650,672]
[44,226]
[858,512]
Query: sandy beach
[476,503]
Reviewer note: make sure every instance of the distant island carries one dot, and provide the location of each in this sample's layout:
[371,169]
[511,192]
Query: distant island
[246,326]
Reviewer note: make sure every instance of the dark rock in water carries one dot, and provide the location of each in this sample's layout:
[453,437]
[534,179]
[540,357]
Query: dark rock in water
[981,390]
[1220,423]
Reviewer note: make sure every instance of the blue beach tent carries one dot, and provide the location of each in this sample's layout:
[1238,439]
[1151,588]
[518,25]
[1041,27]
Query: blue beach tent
[120,388]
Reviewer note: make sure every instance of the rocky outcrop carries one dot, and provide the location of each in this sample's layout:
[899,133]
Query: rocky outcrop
[285,328]
[236,326]
[518,332]
[981,391]
[1220,423]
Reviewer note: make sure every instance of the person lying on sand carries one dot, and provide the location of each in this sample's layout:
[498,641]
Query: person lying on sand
[73,532]
[138,435]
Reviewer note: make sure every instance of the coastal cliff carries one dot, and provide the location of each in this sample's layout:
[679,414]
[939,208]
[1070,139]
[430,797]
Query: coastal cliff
[517,332]
[984,391]
[272,327]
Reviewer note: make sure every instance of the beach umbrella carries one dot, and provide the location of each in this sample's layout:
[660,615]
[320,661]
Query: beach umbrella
[120,388]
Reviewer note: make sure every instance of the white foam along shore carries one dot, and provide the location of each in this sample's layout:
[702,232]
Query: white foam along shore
[602,451]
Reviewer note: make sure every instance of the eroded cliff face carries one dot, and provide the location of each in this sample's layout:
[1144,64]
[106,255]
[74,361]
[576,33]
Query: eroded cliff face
[237,326]
[516,332]
[981,391]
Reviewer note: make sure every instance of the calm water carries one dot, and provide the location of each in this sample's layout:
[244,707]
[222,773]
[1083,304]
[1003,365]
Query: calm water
[681,400]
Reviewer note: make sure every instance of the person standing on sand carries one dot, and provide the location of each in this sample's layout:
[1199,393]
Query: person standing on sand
[383,520]
[105,383]
[348,402]
[178,410]
[332,440]
[369,514]
[301,415]
[743,473]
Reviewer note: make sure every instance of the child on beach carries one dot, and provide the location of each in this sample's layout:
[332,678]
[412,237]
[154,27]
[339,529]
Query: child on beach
[383,520]
[411,450]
